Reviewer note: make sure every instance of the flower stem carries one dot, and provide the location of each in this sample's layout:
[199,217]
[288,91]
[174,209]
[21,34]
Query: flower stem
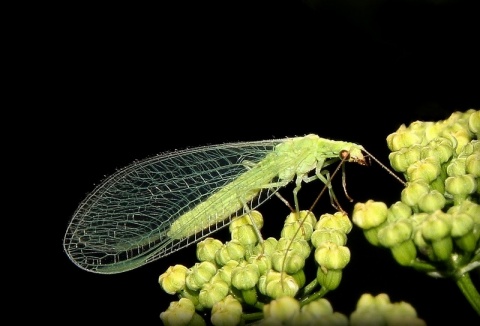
[468,289]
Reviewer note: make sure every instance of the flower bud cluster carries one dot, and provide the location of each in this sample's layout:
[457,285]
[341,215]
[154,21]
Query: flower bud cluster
[233,279]
[435,226]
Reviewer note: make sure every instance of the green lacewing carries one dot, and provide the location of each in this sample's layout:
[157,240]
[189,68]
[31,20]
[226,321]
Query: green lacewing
[159,205]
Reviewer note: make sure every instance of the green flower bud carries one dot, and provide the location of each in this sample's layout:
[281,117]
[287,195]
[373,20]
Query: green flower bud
[245,234]
[472,164]
[275,285]
[301,246]
[331,235]
[227,312]
[436,231]
[283,310]
[300,278]
[463,232]
[200,274]
[339,221]
[225,273]
[461,186]
[288,261]
[414,190]
[232,250]
[213,292]
[394,234]
[372,235]
[403,158]
[400,210]
[263,262]
[297,230]
[267,247]
[403,137]
[192,296]
[331,256]
[463,138]
[440,148]
[431,201]
[305,216]
[370,214]
[173,280]
[474,123]
[178,313]
[427,169]
[207,248]
[245,277]
[404,253]
[329,279]
[250,296]
[247,219]
[318,308]
[456,167]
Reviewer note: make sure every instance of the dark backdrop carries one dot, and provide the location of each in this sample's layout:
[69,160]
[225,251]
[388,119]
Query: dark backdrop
[132,81]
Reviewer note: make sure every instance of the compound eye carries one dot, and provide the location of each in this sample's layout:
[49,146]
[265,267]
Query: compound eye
[345,155]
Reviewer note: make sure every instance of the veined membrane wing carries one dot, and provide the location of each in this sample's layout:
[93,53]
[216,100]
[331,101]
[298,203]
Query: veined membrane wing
[125,222]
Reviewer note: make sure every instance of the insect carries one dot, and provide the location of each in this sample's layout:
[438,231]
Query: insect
[157,206]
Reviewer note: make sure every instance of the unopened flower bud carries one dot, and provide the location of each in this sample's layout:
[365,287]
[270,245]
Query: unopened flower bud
[331,256]
[400,160]
[403,137]
[414,190]
[207,249]
[431,201]
[245,277]
[339,221]
[332,235]
[200,274]
[369,214]
[226,312]
[329,278]
[427,169]
[283,310]
[213,292]
[232,250]
[173,280]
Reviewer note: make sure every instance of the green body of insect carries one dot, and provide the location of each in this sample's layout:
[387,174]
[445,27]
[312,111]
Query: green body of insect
[155,207]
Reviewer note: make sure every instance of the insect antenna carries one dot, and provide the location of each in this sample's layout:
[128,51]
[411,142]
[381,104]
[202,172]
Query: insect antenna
[385,167]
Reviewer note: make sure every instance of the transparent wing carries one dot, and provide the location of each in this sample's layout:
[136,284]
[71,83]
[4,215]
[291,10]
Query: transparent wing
[123,223]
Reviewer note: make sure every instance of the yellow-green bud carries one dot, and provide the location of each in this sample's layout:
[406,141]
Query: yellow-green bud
[245,277]
[305,216]
[400,210]
[339,221]
[440,148]
[288,261]
[456,167]
[369,214]
[192,296]
[461,186]
[472,164]
[414,190]
[431,201]
[436,231]
[267,247]
[329,279]
[403,137]
[300,278]
[207,248]
[297,230]
[247,219]
[213,292]
[332,256]
[318,308]
[275,284]
[463,232]
[178,313]
[227,312]
[331,235]
[474,123]
[232,250]
[404,253]
[395,233]
[173,280]
[283,310]
[200,274]
[400,160]
[301,246]
[463,138]
[225,272]
[263,262]
[427,169]
[245,234]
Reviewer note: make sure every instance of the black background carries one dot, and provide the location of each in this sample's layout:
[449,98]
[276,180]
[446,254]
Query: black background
[132,81]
